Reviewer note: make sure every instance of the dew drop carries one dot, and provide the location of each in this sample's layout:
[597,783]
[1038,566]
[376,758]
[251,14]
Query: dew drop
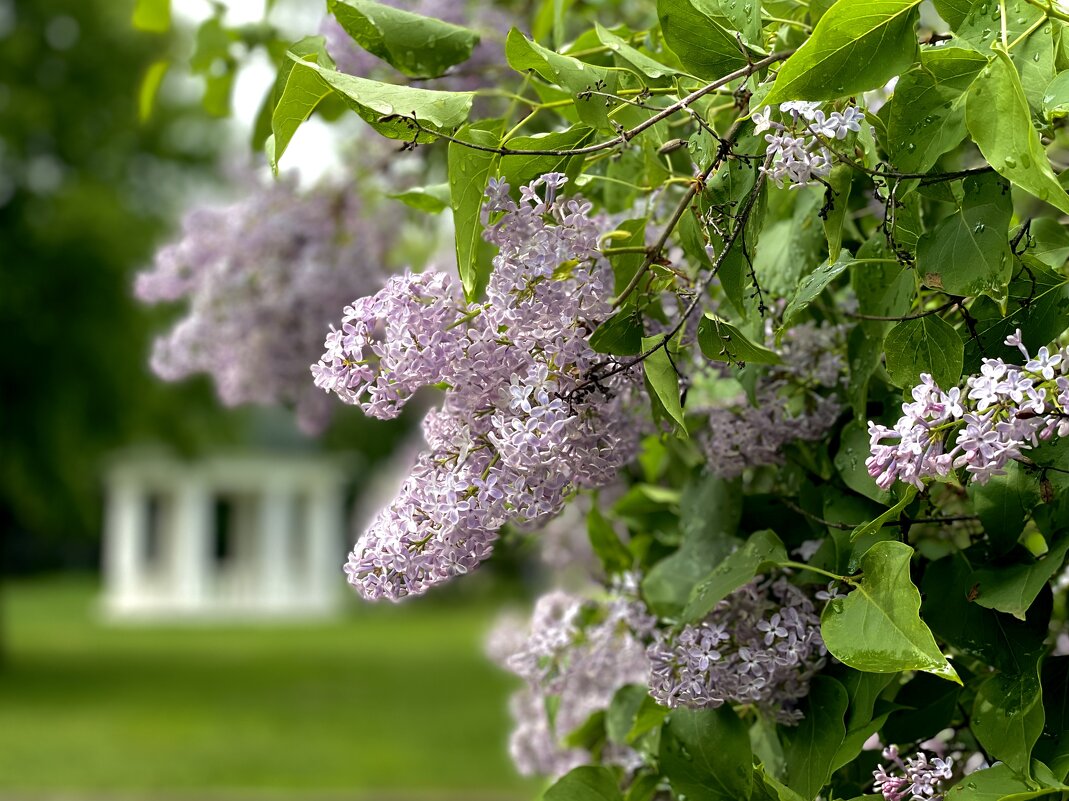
[1010,162]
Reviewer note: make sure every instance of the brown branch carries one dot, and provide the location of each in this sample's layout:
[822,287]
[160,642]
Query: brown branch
[624,136]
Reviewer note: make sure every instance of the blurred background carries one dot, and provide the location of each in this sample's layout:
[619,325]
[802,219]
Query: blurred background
[174,621]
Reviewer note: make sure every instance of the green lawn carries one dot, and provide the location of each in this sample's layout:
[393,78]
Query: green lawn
[389,702]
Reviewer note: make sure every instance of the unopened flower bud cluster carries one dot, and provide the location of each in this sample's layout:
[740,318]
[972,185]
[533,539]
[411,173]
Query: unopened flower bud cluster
[795,143]
[999,414]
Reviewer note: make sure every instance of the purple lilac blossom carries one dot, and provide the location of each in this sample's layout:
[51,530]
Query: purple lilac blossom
[519,430]
[914,779]
[761,645]
[261,278]
[999,414]
[786,407]
[574,655]
[798,157]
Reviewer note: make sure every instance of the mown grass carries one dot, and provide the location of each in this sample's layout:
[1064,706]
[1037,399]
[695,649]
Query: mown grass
[387,702]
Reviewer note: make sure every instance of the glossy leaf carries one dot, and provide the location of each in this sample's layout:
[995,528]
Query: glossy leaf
[997,115]
[663,379]
[763,548]
[811,746]
[706,754]
[926,344]
[813,284]
[585,783]
[1007,716]
[702,36]
[723,342]
[857,45]
[417,46]
[968,253]
[877,627]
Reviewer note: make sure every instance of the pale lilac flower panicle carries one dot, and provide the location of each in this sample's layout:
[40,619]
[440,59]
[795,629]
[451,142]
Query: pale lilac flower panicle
[1002,411]
[512,439]
[799,156]
[262,278]
[578,665]
[761,645]
[914,779]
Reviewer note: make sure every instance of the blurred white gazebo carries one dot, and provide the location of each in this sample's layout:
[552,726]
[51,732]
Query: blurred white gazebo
[227,536]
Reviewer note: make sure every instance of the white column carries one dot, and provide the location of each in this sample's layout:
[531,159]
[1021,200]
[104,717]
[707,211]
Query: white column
[124,531]
[275,529]
[191,546]
[322,543]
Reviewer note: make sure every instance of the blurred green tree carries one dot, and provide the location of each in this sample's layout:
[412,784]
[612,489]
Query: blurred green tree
[85,192]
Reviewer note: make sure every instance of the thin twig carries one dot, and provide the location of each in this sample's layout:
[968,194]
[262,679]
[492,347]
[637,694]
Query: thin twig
[623,137]
[917,316]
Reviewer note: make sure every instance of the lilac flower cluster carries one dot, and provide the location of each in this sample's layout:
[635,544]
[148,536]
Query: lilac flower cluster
[1001,412]
[761,645]
[520,428]
[798,157]
[574,655]
[914,779]
[786,408]
[262,278]
[486,18]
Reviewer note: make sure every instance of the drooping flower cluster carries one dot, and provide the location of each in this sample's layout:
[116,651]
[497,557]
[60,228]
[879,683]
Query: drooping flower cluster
[521,427]
[761,645]
[1001,412]
[786,406]
[262,278]
[798,155]
[914,779]
[574,655]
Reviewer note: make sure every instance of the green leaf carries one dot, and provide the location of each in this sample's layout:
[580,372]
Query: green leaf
[811,746]
[614,555]
[620,335]
[469,172]
[417,46]
[839,182]
[997,115]
[870,528]
[519,170]
[877,627]
[857,45]
[722,342]
[152,15]
[571,74]
[926,344]
[1004,503]
[663,379]
[990,784]
[1056,96]
[585,783]
[379,104]
[967,253]
[642,63]
[813,284]
[632,713]
[926,115]
[1051,240]
[431,199]
[710,509]
[150,85]
[1013,588]
[702,37]
[705,753]
[1053,744]
[996,639]
[761,549]
[1007,717]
